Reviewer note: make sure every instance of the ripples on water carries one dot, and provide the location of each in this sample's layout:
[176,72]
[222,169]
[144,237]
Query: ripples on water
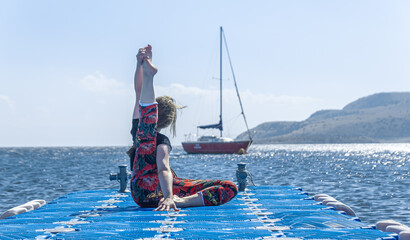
[371,178]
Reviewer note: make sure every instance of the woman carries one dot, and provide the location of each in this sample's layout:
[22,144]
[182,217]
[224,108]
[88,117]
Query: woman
[153,183]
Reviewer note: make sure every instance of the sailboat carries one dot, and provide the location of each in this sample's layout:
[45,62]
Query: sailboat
[214,144]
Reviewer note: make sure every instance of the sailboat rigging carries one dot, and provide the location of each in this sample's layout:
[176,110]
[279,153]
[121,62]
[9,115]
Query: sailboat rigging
[213,144]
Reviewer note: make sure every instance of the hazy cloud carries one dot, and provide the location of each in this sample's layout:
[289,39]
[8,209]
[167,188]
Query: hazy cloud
[99,83]
[180,91]
[271,98]
[203,108]
[7,100]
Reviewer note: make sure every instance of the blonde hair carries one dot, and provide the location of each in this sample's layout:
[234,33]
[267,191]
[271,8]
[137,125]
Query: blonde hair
[167,113]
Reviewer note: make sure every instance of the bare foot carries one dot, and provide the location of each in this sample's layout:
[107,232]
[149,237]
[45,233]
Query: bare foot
[146,54]
[194,200]
[179,202]
[148,50]
[148,67]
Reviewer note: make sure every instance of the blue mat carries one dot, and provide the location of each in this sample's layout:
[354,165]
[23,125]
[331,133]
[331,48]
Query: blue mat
[264,212]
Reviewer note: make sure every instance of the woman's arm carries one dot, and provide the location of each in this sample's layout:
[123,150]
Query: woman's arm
[147,96]
[165,179]
[138,81]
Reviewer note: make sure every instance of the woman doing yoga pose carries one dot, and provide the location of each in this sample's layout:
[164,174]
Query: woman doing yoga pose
[153,183]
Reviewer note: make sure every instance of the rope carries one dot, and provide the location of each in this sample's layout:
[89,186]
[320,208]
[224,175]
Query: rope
[236,86]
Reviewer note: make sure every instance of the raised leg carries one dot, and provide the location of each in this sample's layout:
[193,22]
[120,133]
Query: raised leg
[148,73]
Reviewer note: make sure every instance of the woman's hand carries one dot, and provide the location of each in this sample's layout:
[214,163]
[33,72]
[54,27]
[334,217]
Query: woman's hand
[144,54]
[165,204]
[141,55]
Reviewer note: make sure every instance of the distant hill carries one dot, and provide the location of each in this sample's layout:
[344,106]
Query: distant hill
[382,117]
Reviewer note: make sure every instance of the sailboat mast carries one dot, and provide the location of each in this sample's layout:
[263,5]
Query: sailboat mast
[220,80]
[236,87]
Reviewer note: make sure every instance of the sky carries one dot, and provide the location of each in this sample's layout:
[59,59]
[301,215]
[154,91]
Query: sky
[67,67]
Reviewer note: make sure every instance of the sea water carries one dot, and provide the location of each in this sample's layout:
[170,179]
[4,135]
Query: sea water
[373,179]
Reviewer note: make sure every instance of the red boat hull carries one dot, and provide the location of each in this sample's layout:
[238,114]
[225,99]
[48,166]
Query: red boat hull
[216,147]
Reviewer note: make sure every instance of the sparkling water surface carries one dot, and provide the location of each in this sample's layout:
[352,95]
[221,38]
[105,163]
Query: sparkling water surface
[373,179]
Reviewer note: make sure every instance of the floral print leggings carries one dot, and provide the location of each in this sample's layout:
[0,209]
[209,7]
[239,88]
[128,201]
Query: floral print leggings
[145,187]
